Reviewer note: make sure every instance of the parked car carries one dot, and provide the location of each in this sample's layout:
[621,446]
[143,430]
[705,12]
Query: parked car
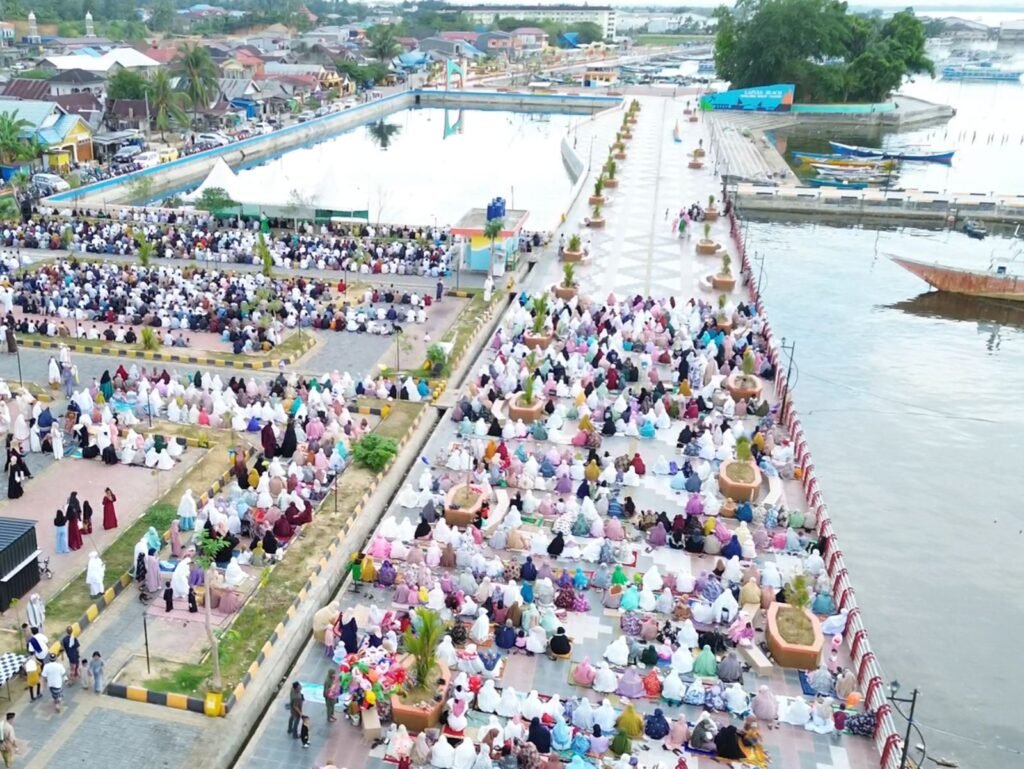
[50,182]
[147,159]
[213,139]
[167,154]
[127,154]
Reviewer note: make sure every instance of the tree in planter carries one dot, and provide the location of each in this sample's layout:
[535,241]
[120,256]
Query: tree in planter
[711,201]
[207,549]
[374,452]
[747,366]
[793,623]
[568,275]
[721,305]
[726,265]
[144,250]
[436,358]
[597,212]
[66,238]
[264,255]
[743,449]
[540,309]
[610,168]
[528,395]
[421,640]
[491,231]
[598,186]
[575,243]
[707,231]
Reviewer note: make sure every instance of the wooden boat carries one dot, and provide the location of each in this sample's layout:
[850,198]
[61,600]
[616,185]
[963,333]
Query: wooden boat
[924,157]
[848,171]
[811,158]
[845,184]
[995,283]
[975,229]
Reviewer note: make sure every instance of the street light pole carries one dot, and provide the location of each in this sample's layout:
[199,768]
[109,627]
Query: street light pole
[894,687]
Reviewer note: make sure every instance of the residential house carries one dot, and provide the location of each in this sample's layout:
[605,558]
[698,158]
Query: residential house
[242,64]
[497,44]
[7,34]
[27,88]
[103,64]
[531,39]
[332,35]
[84,104]
[76,81]
[124,114]
[440,49]
[469,37]
[276,37]
[408,43]
[326,78]
[67,138]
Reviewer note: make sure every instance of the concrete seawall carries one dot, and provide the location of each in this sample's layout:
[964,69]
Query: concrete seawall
[194,168]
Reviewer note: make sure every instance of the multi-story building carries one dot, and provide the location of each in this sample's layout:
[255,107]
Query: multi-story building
[601,15]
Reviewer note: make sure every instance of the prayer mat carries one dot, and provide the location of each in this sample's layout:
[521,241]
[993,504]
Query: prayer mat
[313,692]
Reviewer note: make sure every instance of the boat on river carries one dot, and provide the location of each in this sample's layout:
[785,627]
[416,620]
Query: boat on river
[846,184]
[945,156]
[975,229]
[810,158]
[996,282]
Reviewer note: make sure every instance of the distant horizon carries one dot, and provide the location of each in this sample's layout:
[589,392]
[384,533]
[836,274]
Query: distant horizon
[930,7]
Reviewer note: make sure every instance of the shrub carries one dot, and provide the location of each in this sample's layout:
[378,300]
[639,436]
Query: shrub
[574,242]
[599,186]
[423,645]
[540,307]
[726,265]
[568,275]
[743,449]
[711,201]
[597,212]
[150,341]
[436,356]
[374,452]
[748,362]
[707,231]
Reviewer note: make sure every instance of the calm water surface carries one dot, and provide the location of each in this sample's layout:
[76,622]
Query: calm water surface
[910,401]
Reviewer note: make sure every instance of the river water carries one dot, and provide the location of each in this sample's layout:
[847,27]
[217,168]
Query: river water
[909,402]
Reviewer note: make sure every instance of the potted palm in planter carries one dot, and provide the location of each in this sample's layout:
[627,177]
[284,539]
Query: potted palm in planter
[711,213]
[792,632]
[695,161]
[625,131]
[574,252]
[740,479]
[698,152]
[609,174]
[744,384]
[597,199]
[619,151]
[525,405]
[706,246]
[436,359]
[538,336]
[722,318]
[596,221]
[723,280]
[421,701]
[567,288]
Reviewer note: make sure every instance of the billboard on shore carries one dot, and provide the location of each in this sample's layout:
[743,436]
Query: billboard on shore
[765,98]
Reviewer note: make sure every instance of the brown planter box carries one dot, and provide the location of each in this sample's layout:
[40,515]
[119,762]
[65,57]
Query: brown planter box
[735,490]
[699,153]
[744,392]
[707,247]
[420,718]
[695,164]
[596,200]
[533,341]
[723,282]
[787,654]
[528,414]
[611,183]
[461,516]
[571,256]
[627,134]
[687,111]
[724,323]
[596,224]
[619,156]
[565,293]
[710,214]
[693,118]
[632,120]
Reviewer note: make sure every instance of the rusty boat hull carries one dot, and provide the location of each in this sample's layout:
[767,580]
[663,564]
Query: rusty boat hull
[958,280]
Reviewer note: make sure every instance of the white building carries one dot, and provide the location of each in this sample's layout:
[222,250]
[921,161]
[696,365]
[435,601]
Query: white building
[601,15]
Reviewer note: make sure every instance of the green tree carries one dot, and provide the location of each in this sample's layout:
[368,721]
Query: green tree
[166,105]
[421,640]
[491,231]
[196,66]
[163,17]
[9,210]
[264,255]
[382,133]
[588,31]
[382,43]
[12,143]
[126,84]
[207,549]
[144,250]
[215,200]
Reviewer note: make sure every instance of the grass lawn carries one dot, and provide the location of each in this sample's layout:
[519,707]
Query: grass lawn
[671,39]
[241,643]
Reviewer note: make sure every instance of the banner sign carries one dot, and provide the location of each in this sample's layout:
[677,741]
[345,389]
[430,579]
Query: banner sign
[765,98]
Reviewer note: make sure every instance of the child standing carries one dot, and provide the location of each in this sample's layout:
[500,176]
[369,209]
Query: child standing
[304,732]
[329,641]
[96,671]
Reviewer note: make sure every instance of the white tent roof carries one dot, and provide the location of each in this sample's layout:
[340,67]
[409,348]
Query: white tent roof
[126,57]
[221,176]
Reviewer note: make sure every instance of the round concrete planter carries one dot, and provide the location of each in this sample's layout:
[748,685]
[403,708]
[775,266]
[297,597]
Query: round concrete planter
[735,489]
[723,282]
[596,224]
[710,214]
[461,516]
[745,389]
[421,716]
[699,152]
[571,256]
[565,293]
[790,655]
[611,183]
[695,164]
[534,341]
[596,200]
[529,414]
[707,247]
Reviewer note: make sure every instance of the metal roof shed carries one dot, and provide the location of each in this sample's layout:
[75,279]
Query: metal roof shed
[19,568]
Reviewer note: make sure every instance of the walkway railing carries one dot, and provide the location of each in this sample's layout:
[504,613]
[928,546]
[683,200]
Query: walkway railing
[869,672]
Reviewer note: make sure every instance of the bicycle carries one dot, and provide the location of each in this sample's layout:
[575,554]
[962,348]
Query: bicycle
[44,568]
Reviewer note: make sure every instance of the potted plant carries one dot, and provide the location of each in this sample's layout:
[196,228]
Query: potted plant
[792,632]
[420,704]
[619,151]
[610,181]
[706,246]
[574,251]
[744,384]
[525,405]
[698,152]
[436,359]
[686,109]
[723,279]
[711,213]
[567,288]
[625,132]
[722,318]
[596,220]
[537,336]
[597,199]
[695,162]
[740,479]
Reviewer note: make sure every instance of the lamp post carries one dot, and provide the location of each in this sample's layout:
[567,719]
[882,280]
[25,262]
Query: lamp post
[894,688]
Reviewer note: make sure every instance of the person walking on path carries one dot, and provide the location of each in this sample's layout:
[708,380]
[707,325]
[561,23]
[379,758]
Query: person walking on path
[439,290]
[96,665]
[54,674]
[332,691]
[295,700]
[109,513]
[60,533]
[32,678]
[73,511]
[72,650]
[304,732]
[8,742]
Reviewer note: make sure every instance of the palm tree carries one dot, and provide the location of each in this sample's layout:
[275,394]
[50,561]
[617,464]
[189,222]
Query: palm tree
[195,65]
[382,133]
[144,249]
[491,231]
[11,140]
[165,104]
[206,553]
[421,640]
[383,45]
